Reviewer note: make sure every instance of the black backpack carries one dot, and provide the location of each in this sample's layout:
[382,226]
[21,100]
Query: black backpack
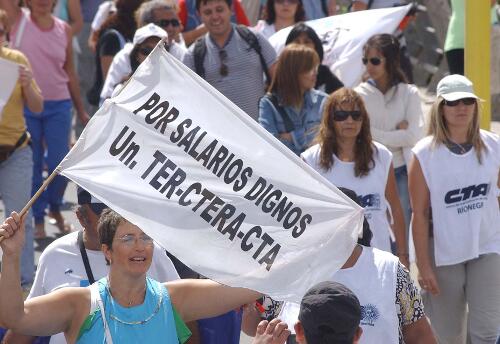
[200,50]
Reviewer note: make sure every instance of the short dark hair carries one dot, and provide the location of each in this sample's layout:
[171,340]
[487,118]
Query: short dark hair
[204,2]
[302,28]
[367,235]
[107,226]
[300,14]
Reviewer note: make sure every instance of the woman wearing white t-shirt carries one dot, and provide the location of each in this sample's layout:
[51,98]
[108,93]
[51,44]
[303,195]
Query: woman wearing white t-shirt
[394,108]
[456,174]
[280,14]
[346,155]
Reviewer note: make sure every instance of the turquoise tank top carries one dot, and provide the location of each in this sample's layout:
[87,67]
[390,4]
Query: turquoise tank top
[151,322]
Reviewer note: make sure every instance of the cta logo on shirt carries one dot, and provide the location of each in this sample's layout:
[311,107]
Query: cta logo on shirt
[468,198]
[369,314]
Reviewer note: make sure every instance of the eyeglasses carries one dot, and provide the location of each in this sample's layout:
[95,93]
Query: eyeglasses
[130,239]
[224,71]
[291,2]
[465,101]
[373,60]
[145,51]
[340,115]
[167,22]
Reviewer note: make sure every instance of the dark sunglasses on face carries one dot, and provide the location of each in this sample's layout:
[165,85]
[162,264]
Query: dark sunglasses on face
[167,22]
[465,101]
[224,70]
[145,51]
[374,61]
[340,115]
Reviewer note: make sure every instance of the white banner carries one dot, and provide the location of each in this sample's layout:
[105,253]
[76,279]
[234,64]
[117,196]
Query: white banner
[344,35]
[175,157]
[10,73]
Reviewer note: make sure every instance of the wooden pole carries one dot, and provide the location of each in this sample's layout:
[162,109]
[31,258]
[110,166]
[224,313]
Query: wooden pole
[36,195]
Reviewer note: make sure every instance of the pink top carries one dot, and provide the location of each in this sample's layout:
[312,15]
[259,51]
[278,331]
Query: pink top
[46,51]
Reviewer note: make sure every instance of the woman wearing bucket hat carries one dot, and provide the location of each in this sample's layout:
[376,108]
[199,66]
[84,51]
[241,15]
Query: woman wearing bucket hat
[455,173]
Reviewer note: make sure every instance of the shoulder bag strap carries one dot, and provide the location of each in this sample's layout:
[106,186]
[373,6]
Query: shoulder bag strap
[85,258]
[286,119]
[20,30]
[199,52]
[253,42]
[94,289]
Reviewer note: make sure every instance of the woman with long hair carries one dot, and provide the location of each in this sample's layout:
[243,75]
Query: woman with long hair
[394,108]
[292,108]
[304,34]
[280,14]
[46,42]
[346,155]
[455,177]
[124,307]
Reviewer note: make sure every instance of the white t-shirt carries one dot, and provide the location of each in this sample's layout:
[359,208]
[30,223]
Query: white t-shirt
[401,102]
[373,279]
[120,67]
[61,266]
[465,212]
[265,29]
[370,188]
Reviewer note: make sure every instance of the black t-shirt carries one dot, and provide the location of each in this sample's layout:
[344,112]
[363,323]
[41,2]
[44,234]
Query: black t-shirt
[328,80]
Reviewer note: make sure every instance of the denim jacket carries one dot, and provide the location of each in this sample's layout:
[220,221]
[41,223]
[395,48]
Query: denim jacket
[306,122]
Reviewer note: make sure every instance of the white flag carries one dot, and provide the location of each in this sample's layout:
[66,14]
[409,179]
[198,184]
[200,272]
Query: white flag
[175,157]
[344,35]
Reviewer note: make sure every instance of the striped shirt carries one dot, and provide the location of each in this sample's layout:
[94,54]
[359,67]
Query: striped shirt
[244,82]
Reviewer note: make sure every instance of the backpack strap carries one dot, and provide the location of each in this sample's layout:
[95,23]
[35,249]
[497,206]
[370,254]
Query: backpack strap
[199,52]
[252,40]
[324,7]
[286,119]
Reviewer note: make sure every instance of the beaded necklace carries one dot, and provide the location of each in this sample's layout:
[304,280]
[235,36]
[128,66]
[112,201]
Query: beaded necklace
[138,322]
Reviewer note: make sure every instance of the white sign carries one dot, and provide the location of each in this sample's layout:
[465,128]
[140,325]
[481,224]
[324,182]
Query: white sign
[10,73]
[175,157]
[343,37]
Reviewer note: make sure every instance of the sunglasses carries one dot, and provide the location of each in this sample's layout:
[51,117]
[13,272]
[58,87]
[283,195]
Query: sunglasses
[374,61]
[465,101]
[292,2]
[145,51]
[340,115]
[224,70]
[167,22]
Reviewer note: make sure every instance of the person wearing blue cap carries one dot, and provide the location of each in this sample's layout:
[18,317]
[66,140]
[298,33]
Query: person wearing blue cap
[455,176]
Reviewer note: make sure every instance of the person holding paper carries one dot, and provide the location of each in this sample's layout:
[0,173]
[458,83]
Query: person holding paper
[16,162]
[124,307]
[46,42]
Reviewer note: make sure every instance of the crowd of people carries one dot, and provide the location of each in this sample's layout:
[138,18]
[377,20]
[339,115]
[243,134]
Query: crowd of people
[432,182]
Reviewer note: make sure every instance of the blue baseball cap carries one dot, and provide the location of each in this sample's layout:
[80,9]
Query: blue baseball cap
[84,197]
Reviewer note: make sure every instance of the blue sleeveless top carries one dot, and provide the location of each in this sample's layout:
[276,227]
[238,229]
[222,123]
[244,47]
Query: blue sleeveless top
[151,322]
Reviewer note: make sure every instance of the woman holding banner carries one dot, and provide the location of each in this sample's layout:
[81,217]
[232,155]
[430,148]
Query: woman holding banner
[16,157]
[292,108]
[346,155]
[394,108]
[124,307]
